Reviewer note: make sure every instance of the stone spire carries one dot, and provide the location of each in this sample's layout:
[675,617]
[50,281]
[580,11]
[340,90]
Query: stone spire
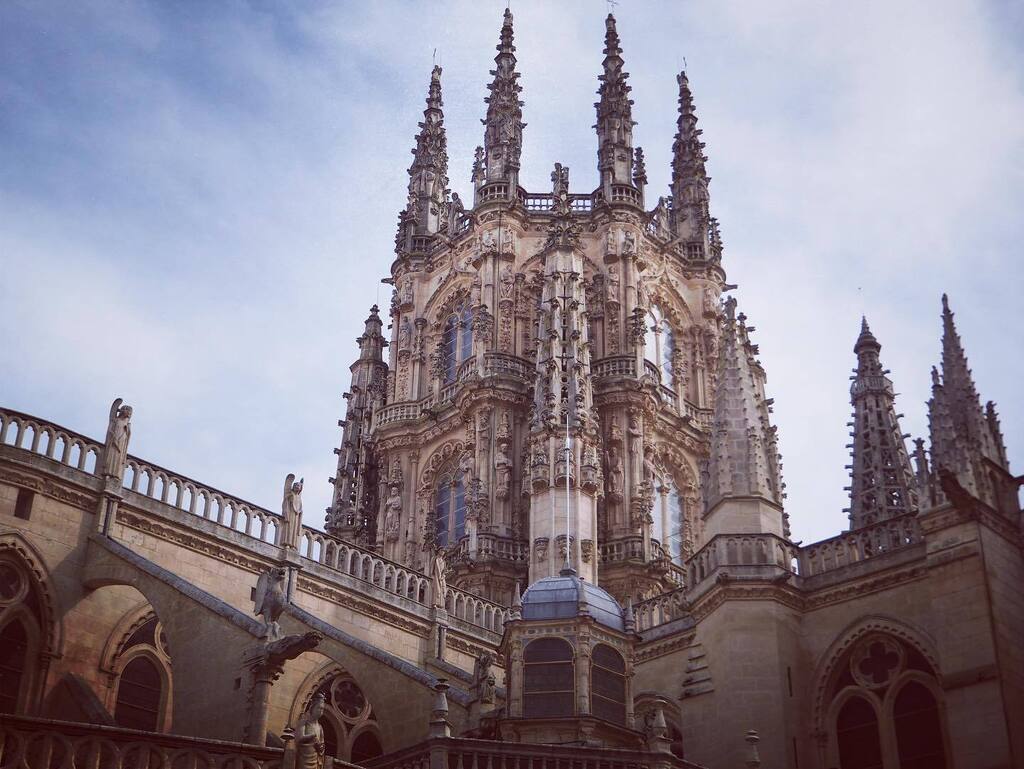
[743,489]
[614,117]
[428,174]
[354,502]
[882,484]
[691,219]
[503,126]
[964,437]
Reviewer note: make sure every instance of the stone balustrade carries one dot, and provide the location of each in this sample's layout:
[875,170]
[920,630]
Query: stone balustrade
[545,202]
[23,431]
[742,550]
[860,545]
[32,743]
[207,502]
[502,364]
[403,411]
[614,365]
[624,549]
[465,753]
[660,609]
[399,580]
[160,485]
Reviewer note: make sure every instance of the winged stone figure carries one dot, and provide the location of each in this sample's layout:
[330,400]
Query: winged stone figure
[269,600]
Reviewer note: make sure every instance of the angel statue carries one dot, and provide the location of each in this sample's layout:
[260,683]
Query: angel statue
[483,678]
[269,600]
[291,511]
[119,430]
[438,569]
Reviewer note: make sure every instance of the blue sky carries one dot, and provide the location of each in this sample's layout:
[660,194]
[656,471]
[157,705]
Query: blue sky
[197,201]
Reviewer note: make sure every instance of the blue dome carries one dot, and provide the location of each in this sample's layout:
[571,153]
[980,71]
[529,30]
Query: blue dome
[559,598]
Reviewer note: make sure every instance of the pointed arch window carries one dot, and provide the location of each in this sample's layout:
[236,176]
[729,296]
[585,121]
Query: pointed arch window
[860,746]
[456,342]
[450,507]
[660,345]
[139,695]
[918,728]
[13,660]
[669,520]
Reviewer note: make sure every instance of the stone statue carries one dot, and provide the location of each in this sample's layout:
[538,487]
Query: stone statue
[628,243]
[269,600]
[508,283]
[438,569]
[503,467]
[508,242]
[487,241]
[455,211]
[483,678]
[392,513]
[613,285]
[405,335]
[650,470]
[119,430]
[291,510]
[309,736]
[615,472]
[540,549]
[611,242]
[406,294]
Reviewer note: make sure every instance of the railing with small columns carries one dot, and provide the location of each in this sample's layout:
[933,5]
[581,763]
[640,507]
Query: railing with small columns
[23,431]
[761,549]
[33,743]
[860,545]
[614,365]
[167,488]
[660,609]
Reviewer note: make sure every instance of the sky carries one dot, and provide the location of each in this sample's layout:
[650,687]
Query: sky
[197,202]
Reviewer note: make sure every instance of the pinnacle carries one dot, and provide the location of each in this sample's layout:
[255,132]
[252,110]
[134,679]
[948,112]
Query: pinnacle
[866,338]
[611,37]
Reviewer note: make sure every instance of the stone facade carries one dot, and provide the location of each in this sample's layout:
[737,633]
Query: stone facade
[563,393]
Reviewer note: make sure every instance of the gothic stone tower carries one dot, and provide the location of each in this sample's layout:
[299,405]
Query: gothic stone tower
[553,362]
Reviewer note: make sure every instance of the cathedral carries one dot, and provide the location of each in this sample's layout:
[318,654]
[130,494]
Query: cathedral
[557,537]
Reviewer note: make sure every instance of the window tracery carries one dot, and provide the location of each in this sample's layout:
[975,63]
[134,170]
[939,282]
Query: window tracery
[450,506]
[660,345]
[349,723]
[22,634]
[885,707]
[141,671]
[456,341]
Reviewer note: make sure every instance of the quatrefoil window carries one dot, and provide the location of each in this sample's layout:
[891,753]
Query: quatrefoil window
[876,661]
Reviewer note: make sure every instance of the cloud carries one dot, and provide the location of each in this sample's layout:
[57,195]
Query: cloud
[197,202]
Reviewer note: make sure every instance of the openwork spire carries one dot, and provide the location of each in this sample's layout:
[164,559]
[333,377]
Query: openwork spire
[744,460]
[428,174]
[503,131]
[691,218]
[882,483]
[614,116]
[964,437]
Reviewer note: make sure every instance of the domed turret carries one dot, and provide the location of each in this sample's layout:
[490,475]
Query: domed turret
[567,595]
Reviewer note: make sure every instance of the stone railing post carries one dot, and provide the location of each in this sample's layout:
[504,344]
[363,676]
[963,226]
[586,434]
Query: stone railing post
[753,758]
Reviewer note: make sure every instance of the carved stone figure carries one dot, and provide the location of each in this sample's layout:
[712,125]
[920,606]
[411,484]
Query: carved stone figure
[455,211]
[483,678]
[586,550]
[540,549]
[615,472]
[611,242]
[438,573]
[406,297]
[269,600]
[508,283]
[503,468]
[508,242]
[309,736]
[291,511]
[392,513]
[119,430]
[628,243]
[613,285]
[504,427]
[487,242]
[405,335]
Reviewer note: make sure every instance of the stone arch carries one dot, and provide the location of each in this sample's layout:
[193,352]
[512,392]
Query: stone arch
[15,546]
[348,726]
[447,452]
[444,302]
[827,667]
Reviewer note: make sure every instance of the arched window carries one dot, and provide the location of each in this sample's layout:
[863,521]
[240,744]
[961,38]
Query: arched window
[608,684]
[364,747]
[449,507]
[456,342]
[918,729]
[349,723]
[549,687]
[13,654]
[669,516]
[857,735]
[660,345]
[139,695]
